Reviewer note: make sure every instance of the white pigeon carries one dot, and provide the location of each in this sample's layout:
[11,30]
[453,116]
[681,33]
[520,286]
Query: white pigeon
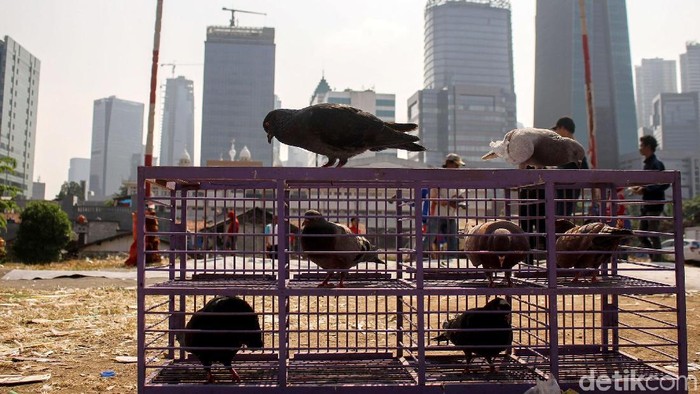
[536,147]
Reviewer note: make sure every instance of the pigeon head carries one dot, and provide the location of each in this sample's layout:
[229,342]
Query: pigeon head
[276,121]
[311,216]
[497,304]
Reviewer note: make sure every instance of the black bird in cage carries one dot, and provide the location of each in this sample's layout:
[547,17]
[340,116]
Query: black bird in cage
[497,236]
[482,332]
[597,240]
[338,131]
[328,238]
[219,330]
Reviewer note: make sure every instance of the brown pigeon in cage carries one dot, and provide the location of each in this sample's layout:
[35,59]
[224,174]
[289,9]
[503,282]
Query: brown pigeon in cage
[482,332]
[328,238]
[497,236]
[536,147]
[338,131]
[219,330]
[597,239]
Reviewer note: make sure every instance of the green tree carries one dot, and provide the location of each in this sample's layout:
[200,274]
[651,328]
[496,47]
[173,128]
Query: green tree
[691,212]
[7,192]
[45,230]
[70,189]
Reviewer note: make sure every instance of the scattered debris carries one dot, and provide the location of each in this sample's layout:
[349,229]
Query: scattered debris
[8,380]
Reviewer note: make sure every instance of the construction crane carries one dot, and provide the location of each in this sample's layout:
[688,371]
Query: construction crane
[178,64]
[233,14]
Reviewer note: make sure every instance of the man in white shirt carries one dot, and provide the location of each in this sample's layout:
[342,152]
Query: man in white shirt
[442,219]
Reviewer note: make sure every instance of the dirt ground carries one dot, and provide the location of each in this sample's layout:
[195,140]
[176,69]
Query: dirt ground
[74,329]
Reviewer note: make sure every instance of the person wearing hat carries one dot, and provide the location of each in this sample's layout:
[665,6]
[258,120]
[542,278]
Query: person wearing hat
[566,128]
[442,218]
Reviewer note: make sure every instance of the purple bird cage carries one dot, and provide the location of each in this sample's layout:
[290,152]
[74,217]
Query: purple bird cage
[377,331]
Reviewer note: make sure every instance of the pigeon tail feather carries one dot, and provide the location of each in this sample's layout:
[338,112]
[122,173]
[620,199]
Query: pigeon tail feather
[402,126]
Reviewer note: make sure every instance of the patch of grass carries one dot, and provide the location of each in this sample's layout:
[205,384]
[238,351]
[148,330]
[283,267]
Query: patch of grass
[85,264]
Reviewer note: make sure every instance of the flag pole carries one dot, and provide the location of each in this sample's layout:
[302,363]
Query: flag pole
[148,157]
[592,151]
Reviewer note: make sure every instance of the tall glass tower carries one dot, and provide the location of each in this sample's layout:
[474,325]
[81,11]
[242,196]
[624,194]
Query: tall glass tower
[469,98]
[177,133]
[238,91]
[117,144]
[559,74]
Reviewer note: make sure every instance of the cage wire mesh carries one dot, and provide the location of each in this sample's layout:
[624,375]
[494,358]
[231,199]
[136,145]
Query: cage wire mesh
[421,279]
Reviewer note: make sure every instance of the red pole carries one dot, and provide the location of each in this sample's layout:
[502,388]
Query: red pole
[148,157]
[592,152]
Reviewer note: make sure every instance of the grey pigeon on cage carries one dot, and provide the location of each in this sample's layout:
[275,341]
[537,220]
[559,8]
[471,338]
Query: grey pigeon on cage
[497,236]
[598,240]
[320,235]
[536,147]
[485,331]
[338,131]
[219,330]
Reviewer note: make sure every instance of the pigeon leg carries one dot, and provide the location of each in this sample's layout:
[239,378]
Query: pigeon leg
[577,275]
[594,277]
[509,279]
[325,281]
[234,375]
[341,163]
[210,376]
[342,276]
[492,367]
[331,161]
[469,361]
[489,275]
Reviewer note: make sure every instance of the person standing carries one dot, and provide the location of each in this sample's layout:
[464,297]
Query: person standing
[232,230]
[652,195]
[271,237]
[443,211]
[354,225]
[566,128]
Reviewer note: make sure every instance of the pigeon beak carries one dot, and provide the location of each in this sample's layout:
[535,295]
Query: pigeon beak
[501,259]
[489,156]
[269,138]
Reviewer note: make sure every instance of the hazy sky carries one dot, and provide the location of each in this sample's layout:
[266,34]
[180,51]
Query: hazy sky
[91,49]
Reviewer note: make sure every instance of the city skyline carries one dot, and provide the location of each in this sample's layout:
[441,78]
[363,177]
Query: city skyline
[365,44]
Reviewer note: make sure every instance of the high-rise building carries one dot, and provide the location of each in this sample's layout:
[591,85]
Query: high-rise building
[19,99]
[469,98]
[690,68]
[676,126]
[38,190]
[653,76]
[238,91]
[676,122]
[79,170]
[117,135]
[177,133]
[559,74]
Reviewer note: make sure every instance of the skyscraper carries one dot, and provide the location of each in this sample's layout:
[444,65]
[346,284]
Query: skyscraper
[79,171]
[117,135]
[653,76]
[19,93]
[676,125]
[468,99]
[690,68]
[559,73]
[238,91]
[177,133]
